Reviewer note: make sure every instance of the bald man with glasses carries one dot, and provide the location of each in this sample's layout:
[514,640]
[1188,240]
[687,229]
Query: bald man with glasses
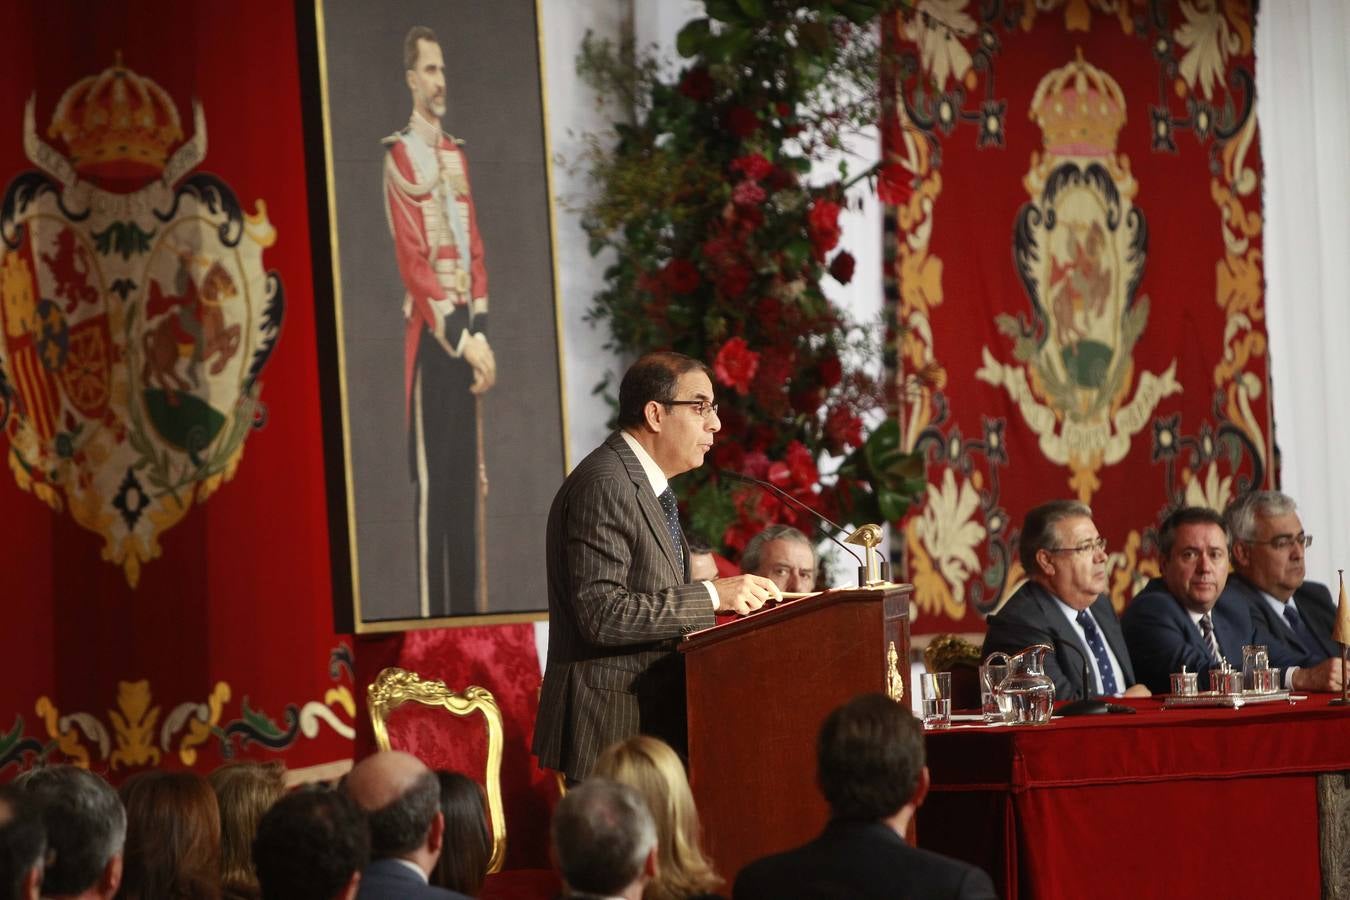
[1064,604]
[1268,576]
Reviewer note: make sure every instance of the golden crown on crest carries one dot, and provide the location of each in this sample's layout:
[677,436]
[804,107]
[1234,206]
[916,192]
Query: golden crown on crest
[1080,110]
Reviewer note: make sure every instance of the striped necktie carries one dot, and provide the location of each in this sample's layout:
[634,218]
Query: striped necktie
[1211,639]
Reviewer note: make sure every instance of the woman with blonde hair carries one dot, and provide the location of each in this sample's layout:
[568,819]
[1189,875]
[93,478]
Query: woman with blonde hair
[650,767]
[244,792]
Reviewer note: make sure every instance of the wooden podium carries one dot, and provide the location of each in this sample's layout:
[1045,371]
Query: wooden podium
[759,689]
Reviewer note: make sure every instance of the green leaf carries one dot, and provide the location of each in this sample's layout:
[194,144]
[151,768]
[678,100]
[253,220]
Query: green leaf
[725,10]
[692,37]
[891,505]
[858,13]
[753,9]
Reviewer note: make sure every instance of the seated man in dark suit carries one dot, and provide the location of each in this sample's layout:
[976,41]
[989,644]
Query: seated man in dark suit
[311,845]
[604,840]
[870,767]
[1268,573]
[1063,604]
[1183,619]
[402,802]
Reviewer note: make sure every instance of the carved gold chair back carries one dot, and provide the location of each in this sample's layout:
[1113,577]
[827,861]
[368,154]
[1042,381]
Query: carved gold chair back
[394,687]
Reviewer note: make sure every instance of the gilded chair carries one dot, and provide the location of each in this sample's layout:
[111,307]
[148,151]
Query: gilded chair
[406,713]
[953,653]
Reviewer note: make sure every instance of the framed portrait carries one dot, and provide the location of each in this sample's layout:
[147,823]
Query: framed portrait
[432,224]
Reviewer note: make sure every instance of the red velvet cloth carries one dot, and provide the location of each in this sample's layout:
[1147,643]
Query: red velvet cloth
[503,659]
[1117,806]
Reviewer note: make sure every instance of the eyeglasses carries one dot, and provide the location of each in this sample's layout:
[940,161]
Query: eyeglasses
[1086,547]
[1283,542]
[704,408]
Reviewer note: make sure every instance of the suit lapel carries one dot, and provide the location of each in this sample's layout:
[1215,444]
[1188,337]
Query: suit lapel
[1065,634]
[652,512]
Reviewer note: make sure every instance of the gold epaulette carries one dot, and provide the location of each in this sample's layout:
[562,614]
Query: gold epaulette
[458,142]
[395,137]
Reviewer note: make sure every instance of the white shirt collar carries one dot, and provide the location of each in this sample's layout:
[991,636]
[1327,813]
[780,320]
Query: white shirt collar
[413,866]
[658,479]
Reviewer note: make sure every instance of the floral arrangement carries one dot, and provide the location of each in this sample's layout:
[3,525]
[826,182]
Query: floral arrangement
[720,246]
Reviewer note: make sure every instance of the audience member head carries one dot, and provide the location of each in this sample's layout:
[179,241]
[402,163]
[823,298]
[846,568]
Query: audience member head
[604,839]
[86,830]
[468,839]
[311,845]
[702,566]
[870,760]
[651,768]
[1268,542]
[1194,544]
[244,791]
[173,837]
[1061,550]
[22,846]
[659,406]
[402,802]
[783,555]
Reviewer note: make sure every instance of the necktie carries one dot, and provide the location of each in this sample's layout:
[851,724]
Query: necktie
[668,504]
[1301,629]
[1098,648]
[1211,639]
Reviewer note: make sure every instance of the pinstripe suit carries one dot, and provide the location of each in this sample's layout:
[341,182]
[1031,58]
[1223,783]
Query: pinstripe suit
[617,602]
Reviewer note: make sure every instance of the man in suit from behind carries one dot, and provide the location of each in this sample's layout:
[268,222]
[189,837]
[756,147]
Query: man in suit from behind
[619,596]
[311,845]
[870,767]
[402,802]
[1185,619]
[604,840]
[86,830]
[1063,603]
[1268,575]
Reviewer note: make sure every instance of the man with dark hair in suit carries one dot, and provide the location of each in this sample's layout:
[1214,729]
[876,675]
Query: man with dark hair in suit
[402,802]
[1268,575]
[604,840]
[23,846]
[1184,619]
[311,845]
[870,767]
[784,555]
[619,595]
[86,830]
[1063,603]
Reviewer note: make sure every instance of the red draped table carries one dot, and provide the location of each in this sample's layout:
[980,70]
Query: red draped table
[1193,802]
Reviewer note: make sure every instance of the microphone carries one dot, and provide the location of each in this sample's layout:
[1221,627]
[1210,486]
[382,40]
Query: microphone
[1088,706]
[784,497]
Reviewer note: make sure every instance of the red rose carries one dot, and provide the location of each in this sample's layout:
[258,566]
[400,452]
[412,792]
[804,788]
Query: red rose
[831,371]
[681,276]
[747,193]
[894,185]
[822,225]
[735,365]
[754,166]
[734,280]
[841,267]
[756,464]
[741,122]
[780,475]
[775,369]
[843,428]
[697,85]
[802,465]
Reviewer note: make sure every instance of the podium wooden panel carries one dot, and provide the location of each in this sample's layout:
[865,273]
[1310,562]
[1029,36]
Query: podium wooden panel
[758,689]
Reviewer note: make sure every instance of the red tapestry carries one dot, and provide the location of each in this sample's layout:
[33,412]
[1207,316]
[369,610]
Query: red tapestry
[165,556]
[1075,293]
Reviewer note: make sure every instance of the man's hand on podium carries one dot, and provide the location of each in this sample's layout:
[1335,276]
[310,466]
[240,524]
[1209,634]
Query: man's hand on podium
[744,594]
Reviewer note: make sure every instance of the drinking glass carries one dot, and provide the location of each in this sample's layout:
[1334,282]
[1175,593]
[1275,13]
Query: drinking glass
[994,705]
[936,693]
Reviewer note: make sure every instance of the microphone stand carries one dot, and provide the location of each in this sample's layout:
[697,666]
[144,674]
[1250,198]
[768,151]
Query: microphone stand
[1089,706]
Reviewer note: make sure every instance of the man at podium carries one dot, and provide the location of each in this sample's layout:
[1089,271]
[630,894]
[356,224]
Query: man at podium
[619,596]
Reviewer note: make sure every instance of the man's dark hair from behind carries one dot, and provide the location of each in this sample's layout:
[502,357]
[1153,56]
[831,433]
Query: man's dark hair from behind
[86,825]
[868,758]
[309,844]
[1188,515]
[602,833]
[653,377]
[401,826]
[22,841]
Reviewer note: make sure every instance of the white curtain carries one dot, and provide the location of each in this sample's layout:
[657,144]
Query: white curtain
[1303,107]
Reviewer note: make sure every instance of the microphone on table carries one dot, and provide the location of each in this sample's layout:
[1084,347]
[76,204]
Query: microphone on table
[784,497]
[1088,706]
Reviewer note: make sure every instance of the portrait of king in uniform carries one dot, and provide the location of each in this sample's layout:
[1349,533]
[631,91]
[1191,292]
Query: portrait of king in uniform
[448,362]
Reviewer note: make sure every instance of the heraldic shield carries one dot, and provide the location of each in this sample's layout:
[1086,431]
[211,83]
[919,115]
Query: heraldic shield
[1080,246]
[137,316]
